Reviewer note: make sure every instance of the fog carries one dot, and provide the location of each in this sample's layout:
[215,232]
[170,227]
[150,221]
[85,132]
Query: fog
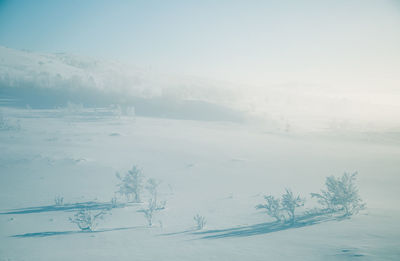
[199,130]
[52,80]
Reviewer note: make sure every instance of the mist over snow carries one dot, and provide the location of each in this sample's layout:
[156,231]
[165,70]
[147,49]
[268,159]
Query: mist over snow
[43,80]
[51,80]
[199,130]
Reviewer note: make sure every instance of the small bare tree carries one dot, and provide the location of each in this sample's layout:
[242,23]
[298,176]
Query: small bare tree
[58,200]
[151,209]
[86,220]
[273,207]
[290,203]
[131,184]
[341,194]
[152,188]
[200,221]
[153,205]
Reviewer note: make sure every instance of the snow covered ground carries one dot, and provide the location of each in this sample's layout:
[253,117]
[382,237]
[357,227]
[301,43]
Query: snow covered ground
[220,170]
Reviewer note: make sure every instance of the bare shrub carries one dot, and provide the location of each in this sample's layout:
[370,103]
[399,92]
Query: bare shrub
[152,188]
[277,208]
[272,207]
[131,184]
[86,220]
[200,221]
[341,194]
[58,200]
[290,202]
[153,205]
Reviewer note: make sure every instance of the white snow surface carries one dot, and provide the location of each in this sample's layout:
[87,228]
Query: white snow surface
[220,170]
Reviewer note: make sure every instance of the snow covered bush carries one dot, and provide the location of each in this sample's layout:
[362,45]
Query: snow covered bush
[273,207]
[58,200]
[200,221]
[153,205]
[290,203]
[86,220]
[341,194]
[131,184]
[152,188]
[276,207]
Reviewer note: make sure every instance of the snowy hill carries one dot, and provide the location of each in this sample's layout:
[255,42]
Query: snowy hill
[52,80]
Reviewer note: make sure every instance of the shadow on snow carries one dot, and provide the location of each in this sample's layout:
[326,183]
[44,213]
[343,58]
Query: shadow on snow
[60,233]
[266,228]
[66,207]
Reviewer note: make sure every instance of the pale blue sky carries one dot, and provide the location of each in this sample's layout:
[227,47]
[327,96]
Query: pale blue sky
[342,42]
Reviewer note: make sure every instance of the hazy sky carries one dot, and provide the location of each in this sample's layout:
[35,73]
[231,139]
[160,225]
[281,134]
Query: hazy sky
[345,44]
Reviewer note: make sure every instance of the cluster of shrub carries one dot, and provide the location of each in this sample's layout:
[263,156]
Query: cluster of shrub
[340,196]
[132,186]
